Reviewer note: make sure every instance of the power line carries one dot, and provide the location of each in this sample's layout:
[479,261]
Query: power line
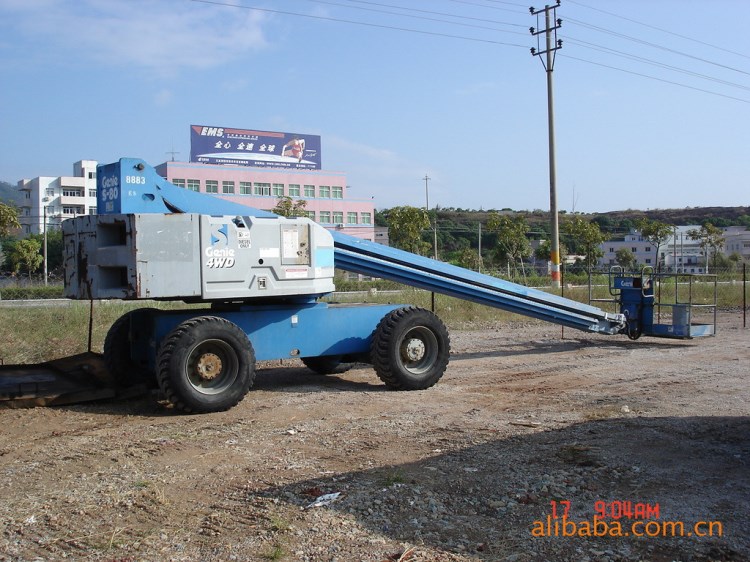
[658,79]
[608,50]
[431,12]
[354,22]
[421,17]
[492,7]
[661,29]
[654,45]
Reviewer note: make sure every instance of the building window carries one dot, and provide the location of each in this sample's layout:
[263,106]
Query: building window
[648,248]
[28,195]
[277,190]
[262,188]
[338,217]
[324,191]
[179,182]
[351,218]
[50,192]
[246,188]
[227,186]
[634,250]
[309,191]
[67,192]
[92,210]
[294,190]
[212,186]
[648,260]
[611,250]
[325,217]
[366,218]
[194,185]
[92,175]
[72,210]
[309,214]
[337,192]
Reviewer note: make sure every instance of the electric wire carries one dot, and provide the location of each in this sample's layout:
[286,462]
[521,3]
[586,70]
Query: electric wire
[653,45]
[475,26]
[615,52]
[585,44]
[434,13]
[354,22]
[565,55]
[661,30]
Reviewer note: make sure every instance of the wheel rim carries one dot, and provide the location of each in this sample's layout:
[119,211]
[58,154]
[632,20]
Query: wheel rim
[212,366]
[418,350]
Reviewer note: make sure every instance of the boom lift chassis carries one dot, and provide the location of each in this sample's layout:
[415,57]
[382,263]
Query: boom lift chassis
[261,277]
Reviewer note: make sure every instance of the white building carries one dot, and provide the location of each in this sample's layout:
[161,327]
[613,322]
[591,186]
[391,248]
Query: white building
[678,254]
[58,198]
[737,241]
[643,250]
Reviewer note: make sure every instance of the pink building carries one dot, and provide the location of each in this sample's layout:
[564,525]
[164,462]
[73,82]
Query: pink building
[325,192]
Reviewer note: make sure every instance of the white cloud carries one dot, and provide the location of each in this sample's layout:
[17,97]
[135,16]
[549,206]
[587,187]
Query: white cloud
[163,97]
[163,36]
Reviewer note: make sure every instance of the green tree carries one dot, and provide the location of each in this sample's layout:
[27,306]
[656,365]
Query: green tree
[405,226]
[587,238]
[470,259]
[656,232]
[25,255]
[512,244]
[625,259]
[8,219]
[711,240]
[288,207]
[543,251]
[54,248]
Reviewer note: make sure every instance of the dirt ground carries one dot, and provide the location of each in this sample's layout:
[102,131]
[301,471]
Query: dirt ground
[522,422]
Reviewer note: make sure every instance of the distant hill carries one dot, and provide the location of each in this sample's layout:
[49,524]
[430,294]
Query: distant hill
[611,222]
[9,193]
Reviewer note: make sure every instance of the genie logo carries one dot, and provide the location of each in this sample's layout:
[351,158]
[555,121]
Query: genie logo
[110,181]
[219,254]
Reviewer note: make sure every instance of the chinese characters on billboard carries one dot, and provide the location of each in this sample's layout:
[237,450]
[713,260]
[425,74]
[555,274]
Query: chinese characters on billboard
[242,147]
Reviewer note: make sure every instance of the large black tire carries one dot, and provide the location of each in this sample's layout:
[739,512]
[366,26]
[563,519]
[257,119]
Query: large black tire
[117,358]
[410,349]
[326,364]
[205,364]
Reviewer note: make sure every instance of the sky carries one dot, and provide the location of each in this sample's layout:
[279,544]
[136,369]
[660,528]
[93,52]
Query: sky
[651,97]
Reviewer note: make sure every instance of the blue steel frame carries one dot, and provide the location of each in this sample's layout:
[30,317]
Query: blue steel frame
[276,331]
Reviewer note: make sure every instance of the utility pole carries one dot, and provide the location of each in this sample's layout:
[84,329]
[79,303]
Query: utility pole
[427,208]
[480,248]
[426,179]
[44,229]
[552,44]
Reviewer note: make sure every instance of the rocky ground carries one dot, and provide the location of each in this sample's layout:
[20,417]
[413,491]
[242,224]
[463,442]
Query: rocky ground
[523,422]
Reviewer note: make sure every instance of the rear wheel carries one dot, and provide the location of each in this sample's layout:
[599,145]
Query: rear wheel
[205,364]
[410,349]
[117,353]
[326,364]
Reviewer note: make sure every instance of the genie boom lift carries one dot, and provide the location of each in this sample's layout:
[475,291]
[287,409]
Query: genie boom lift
[260,277]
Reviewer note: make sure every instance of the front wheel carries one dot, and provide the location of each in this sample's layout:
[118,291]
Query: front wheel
[410,349]
[206,364]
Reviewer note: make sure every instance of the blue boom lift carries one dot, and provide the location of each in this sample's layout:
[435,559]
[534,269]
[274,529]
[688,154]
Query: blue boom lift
[261,277]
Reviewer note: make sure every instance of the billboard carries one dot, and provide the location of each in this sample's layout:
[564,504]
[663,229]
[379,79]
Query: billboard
[243,147]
